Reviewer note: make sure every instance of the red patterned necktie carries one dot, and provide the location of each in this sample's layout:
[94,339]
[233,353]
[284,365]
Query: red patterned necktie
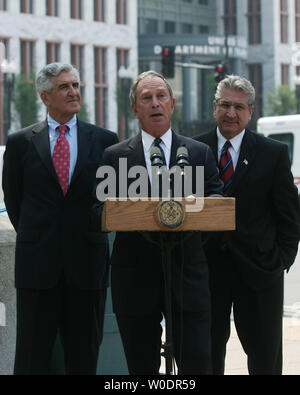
[61,158]
[226,166]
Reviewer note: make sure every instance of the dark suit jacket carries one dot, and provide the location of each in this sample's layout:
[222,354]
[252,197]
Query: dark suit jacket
[267,210]
[55,234]
[137,280]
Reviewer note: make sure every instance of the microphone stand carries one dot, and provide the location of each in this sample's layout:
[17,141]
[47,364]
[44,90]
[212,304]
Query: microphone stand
[167,241]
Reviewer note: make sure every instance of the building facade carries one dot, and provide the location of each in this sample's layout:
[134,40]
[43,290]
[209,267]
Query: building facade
[255,38]
[97,36]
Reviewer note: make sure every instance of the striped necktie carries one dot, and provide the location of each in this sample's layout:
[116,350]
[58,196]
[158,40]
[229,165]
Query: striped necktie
[157,142]
[226,166]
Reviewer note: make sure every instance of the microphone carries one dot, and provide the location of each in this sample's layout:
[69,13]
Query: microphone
[156,157]
[182,157]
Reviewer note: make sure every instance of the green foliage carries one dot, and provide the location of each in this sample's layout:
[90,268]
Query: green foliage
[282,102]
[122,94]
[26,101]
[83,114]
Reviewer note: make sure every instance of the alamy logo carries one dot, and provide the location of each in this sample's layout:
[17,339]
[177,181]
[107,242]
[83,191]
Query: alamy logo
[133,184]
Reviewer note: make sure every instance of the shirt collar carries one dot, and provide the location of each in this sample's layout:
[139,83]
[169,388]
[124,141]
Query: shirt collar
[235,141]
[54,124]
[148,140]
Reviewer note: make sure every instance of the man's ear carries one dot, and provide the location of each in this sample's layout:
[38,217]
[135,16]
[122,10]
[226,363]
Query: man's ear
[44,98]
[134,109]
[214,110]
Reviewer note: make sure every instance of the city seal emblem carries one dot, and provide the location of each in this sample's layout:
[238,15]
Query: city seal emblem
[170,214]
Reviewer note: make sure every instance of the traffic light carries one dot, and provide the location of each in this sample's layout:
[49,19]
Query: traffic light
[168,61]
[220,72]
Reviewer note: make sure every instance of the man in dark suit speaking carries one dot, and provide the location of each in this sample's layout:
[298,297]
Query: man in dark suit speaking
[61,263]
[137,272]
[246,267]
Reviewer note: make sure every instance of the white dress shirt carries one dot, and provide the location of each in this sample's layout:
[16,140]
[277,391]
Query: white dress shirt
[235,148]
[148,143]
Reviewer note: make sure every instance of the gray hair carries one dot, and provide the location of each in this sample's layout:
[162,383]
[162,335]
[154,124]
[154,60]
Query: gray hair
[43,81]
[237,83]
[145,74]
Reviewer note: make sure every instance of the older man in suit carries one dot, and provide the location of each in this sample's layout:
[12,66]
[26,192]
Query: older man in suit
[246,266]
[137,271]
[61,260]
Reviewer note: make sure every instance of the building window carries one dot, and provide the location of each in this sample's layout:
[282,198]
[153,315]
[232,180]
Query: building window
[285,74]
[230,17]
[27,57]
[26,6]
[76,9]
[187,28]
[256,77]
[170,27]
[121,16]
[99,10]
[77,60]
[52,7]
[203,29]
[122,60]
[284,21]
[5,45]
[52,52]
[254,21]
[297,16]
[3,5]
[101,87]
[150,26]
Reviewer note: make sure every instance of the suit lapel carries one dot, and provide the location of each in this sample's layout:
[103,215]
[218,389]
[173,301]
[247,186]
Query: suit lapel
[41,142]
[136,155]
[212,141]
[246,155]
[84,138]
[245,160]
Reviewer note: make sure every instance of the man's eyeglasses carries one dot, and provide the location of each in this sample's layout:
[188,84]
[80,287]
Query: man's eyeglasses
[239,107]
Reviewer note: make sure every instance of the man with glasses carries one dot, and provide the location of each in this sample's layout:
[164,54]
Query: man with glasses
[247,265]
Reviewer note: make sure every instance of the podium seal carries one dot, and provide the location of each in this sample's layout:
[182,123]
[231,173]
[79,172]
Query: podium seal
[170,214]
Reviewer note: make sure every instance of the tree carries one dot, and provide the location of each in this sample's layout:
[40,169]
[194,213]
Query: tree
[26,101]
[282,102]
[83,114]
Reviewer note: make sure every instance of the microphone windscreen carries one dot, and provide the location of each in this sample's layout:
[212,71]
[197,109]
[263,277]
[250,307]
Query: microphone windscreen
[182,152]
[154,152]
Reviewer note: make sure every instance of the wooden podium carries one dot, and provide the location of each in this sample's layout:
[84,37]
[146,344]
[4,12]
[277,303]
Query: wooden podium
[169,217]
[205,214]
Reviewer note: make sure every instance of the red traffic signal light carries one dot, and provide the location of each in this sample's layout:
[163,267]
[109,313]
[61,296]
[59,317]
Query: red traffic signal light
[220,72]
[168,61]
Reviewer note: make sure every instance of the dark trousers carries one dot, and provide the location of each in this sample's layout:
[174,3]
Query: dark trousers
[141,337]
[77,314]
[257,317]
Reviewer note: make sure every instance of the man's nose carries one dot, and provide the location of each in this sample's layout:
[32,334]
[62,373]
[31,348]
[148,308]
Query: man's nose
[72,90]
[231,112]
[155,101]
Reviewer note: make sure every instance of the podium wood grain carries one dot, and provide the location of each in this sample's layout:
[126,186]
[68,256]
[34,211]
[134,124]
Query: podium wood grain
[217,214]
